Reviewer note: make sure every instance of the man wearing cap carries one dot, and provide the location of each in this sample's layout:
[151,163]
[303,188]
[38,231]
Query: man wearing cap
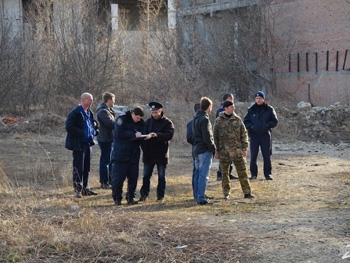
[231,140]
[225,97]
[156,150]
[259,121]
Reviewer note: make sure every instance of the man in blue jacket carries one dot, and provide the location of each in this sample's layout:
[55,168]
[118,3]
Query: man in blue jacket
[128,137]
[81,129]
[259,121]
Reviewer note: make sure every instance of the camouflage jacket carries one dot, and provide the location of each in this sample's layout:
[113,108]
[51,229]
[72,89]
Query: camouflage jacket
[230,136]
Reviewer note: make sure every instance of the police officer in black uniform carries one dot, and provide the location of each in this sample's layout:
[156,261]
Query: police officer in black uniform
[128,131]
[156,150]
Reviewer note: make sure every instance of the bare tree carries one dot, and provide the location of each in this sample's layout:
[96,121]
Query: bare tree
[234,49]
[69,47]
[88,54]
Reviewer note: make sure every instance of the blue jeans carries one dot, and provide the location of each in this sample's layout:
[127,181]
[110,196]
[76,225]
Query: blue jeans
[105,160]
[146,181]
[201,177]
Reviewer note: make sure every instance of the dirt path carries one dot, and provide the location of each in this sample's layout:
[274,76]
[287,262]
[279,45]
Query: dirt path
[304,214]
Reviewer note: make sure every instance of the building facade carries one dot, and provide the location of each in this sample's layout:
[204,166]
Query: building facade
[313,65]
[318,68]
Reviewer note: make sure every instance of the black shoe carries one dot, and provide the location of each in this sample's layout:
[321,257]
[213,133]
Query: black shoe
[232,177]
[218,176]
[117,202]
[269,178]
[206,202]
[252,177]
[88,192]
[78,194]
[132,202]
[143,198]
[105,186]
[209,197]
[249,196]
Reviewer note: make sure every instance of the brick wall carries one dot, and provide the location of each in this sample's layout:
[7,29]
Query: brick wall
[319,65]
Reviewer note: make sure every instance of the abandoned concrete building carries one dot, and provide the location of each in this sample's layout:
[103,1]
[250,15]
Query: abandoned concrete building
[313,66]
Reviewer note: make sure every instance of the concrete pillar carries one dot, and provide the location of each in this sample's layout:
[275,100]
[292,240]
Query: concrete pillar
[114,15]
[171,14]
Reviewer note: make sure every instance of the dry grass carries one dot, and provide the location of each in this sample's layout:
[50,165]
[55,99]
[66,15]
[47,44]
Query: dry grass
[52,226]
[41,221]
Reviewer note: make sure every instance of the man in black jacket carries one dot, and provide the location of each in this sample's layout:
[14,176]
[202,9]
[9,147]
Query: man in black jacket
[203,149]
[106,120]
[156,150]
[81,129]
[190,140]
[259,121]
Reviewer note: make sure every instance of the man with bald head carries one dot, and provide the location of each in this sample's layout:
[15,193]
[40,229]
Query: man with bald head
[81,129]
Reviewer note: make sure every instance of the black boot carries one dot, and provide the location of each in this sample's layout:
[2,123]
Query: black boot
[218,176]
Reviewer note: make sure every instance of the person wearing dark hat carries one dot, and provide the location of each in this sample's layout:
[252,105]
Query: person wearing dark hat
[231,140]
[259,121]
[225,97]
[156,150]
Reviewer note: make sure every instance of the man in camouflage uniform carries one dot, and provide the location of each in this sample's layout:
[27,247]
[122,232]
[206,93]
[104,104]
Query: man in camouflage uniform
[231,140]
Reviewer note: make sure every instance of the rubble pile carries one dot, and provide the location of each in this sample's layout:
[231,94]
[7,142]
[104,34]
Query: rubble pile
[324,123]
[37,123]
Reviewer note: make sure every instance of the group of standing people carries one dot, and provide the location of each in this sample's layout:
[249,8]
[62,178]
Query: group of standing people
[228,142]
[120,139]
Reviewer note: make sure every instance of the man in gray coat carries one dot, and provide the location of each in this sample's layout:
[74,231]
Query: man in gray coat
[106,119]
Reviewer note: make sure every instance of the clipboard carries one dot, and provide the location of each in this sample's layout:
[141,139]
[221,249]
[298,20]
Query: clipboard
[142,137]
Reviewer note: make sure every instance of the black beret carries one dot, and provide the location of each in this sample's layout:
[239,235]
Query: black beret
[155,105]
[227,103]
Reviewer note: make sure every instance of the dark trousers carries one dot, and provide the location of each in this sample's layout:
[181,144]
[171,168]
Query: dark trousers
[146,181]
[81,167]
[105,160]
[121,171]
[264,142]
[219,173]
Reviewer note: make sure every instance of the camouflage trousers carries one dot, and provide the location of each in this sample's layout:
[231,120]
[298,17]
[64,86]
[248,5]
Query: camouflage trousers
[241,169]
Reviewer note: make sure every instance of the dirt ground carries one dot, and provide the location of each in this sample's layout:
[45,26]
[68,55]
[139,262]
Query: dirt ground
[305,215]
[301,216]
